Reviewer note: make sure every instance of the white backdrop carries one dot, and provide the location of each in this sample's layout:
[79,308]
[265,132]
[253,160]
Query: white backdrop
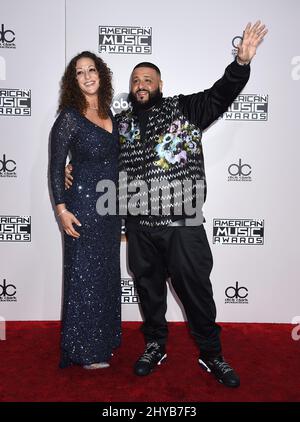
[251,160]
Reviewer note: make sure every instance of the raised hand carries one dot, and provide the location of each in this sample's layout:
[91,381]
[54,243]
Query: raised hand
[252,37]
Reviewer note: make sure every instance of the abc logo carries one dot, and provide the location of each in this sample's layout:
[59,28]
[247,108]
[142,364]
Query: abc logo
[120,102]
[239,169]
[7,289]
[235,291]
[6,36]
[236,41]
[7,165]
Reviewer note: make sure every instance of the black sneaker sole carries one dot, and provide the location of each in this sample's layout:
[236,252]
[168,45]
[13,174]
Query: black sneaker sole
[152,369]
[207,369]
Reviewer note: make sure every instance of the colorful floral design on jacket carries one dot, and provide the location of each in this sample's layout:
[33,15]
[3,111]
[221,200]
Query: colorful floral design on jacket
[175,146]
[129,130]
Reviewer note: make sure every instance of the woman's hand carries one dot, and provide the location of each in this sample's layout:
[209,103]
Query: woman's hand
[67,220]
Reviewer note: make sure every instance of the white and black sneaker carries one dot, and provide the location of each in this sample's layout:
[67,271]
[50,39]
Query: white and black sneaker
[153,355]
[221,370]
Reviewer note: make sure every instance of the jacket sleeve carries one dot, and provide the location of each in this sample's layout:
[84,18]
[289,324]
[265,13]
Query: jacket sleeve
[203,108]
[61,137]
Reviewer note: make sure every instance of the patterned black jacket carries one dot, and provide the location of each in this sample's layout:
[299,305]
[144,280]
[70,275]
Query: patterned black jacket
[161,151]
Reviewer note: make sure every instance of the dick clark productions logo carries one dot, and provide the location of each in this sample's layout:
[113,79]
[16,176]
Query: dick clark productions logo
[7,37]
[239,172]
[236,294]
[7,292]
[7,167]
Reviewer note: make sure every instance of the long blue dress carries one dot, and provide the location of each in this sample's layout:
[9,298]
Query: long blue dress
[91,318]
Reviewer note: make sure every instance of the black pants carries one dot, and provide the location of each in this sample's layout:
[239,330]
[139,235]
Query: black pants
[183,253]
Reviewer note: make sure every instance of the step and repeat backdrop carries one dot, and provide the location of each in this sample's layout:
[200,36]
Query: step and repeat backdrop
[251,153]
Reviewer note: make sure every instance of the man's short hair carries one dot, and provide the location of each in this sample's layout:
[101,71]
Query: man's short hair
[148,64]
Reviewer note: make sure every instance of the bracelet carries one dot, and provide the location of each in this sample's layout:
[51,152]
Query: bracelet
[64,210]
[241,63]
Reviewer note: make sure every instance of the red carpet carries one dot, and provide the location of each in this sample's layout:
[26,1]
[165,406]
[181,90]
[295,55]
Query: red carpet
[264,355]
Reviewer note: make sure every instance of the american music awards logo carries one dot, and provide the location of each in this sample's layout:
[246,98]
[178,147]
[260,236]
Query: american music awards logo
[248,107]
[15,102]
[125,39]
[129,293]
[232,231]
[15,228]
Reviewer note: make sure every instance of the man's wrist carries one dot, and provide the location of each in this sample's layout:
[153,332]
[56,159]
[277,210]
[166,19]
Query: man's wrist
[241,62]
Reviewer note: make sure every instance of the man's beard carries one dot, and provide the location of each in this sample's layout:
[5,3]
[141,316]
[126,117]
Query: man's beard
[154,98]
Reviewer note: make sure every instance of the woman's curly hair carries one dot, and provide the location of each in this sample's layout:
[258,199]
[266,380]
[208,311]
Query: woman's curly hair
[70,93]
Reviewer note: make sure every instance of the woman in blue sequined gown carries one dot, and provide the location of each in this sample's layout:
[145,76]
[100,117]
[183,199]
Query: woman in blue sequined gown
[85,127]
